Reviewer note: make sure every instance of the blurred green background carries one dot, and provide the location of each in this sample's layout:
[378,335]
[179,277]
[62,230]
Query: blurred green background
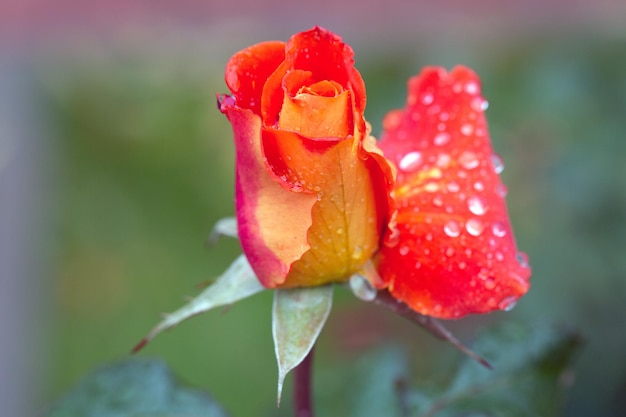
[139,166]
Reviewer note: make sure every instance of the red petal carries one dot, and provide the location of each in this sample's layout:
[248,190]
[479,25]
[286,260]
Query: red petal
[248,69]
[326,57]
[456,252]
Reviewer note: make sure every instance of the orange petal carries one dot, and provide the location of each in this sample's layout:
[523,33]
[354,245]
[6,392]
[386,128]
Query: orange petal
[248,69]
[321,110]
[326,57]
[455,253]
[351,209]
[272,222]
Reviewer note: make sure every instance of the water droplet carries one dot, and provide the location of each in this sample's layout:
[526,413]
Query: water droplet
[453,187]
[441,138]
[437,201]
[411,161]
[499,256]
[362,288]
[444,116]
[507,303]
[357,252]
[467,129]
[418,265]
[443,160]
[471,88]
[501,190]
[404,250]
[498,165]
[462,265]
[479,186]
[437,308]
[522,259]
[431,187]
[490,283]
[468,160]
[449,252]
[428,237]
[427,99]
[474,227]
[479,104]
[452,228]
[477,205]
[483,274]
[498,229]
[339,231]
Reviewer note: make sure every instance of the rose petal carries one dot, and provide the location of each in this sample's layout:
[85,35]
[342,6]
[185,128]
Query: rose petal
[326,57]
[455,253]
[248,69]
[351,209]
[272,223]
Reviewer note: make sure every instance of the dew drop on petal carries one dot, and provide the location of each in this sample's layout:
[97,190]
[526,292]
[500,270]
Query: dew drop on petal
[507,303]
[411,161]
[453,187]
[477,205]
[427,99]
[522,259]
[479,186]
[404,250]
[498,229]
[437,201]
[452,228]
[499,256]
[467,129]
[442,138]
[468,160]
[501,190]
[471,88]
[449,252]
[490,283]
[428,237]
[479,104]
[498,165]
[357,252]
[474,227]
[462,265]
[431,187]
[443,160]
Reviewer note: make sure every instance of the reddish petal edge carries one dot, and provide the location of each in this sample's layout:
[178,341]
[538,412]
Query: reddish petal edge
[248,69]
[270,239]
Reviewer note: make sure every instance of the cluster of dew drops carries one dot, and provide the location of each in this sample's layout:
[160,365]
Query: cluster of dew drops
[468,160]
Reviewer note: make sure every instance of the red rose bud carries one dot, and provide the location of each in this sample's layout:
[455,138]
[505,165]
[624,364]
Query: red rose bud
[312,189]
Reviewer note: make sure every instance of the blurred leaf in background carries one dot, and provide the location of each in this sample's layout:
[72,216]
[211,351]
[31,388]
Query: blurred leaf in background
[134,388]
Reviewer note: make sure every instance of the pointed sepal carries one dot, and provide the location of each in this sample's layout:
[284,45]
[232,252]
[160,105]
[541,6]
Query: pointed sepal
[298,316]
[236,283]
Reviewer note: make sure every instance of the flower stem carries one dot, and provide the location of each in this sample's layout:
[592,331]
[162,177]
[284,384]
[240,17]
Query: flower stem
[303,406]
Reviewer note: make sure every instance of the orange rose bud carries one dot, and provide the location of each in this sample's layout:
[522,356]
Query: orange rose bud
[455,253]
[312,190]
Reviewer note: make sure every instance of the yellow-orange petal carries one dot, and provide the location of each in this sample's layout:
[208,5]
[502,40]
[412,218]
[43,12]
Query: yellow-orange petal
[351,209]
[318,116]
[272,222]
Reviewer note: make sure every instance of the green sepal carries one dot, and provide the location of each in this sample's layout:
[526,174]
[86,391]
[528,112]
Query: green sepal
[298,316]
[236,283]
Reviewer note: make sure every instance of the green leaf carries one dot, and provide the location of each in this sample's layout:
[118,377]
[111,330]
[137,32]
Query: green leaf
[531,372]
[134,388]
[224,227]
[236,283]
[298,316]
